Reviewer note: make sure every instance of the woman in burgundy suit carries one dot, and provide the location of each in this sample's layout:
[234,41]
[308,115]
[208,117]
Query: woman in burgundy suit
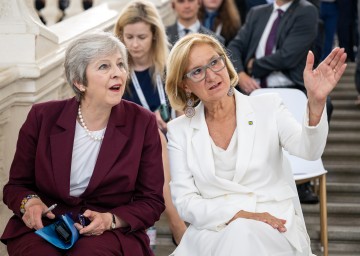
[94,154]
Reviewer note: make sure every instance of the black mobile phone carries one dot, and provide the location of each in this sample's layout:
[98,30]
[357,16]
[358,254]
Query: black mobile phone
[84,221]
[63,231]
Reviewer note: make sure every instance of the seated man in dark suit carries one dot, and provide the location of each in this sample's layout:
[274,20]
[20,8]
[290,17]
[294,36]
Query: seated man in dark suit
[270,50]
[187,21]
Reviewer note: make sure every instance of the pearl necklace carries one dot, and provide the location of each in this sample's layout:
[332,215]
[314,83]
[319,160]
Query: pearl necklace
[89,133]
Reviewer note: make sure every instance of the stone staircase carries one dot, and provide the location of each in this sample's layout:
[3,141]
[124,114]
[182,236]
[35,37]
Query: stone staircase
[342,160]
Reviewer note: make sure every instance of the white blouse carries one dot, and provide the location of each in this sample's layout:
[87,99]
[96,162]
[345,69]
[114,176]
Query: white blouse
[225,160]
[84,156]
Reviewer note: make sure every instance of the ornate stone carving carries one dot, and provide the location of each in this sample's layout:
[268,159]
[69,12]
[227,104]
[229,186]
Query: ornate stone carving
[5,9]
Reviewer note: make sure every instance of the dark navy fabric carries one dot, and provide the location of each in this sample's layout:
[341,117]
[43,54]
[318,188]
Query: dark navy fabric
[149,90]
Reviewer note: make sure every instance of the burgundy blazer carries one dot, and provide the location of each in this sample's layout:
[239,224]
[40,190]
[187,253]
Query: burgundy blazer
[127,180]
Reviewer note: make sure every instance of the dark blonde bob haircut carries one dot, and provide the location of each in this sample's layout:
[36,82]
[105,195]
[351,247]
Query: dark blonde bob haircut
[178,62]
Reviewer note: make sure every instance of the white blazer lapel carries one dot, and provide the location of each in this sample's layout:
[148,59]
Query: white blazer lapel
[246,124]
[200,142]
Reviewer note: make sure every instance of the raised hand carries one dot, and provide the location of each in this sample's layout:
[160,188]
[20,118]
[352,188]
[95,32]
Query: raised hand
[321,81]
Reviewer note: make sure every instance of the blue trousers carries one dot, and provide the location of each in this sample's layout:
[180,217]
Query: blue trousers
[347,30]
[329,14]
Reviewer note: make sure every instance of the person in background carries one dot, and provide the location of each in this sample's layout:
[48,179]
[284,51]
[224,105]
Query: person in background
[94,154]
[252,3]
[229,180]
[270,51]
[187,21]
[241,7]
[346,27]
[329,12]
[319,41]
[221,17]
[140,28]
[280,63]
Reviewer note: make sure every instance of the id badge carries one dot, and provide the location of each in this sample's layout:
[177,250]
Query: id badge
[164,113]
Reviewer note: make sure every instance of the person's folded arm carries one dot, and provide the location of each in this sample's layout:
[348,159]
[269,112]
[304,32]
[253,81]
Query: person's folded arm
[294,48]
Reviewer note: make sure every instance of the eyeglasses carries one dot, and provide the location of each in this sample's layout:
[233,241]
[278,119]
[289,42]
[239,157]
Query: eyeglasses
[199,74]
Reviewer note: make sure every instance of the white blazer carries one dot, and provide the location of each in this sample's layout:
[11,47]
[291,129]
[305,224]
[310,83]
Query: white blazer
[264,126]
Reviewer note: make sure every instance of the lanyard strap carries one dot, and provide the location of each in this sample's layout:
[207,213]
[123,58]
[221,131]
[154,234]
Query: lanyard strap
[160,88]
[140,93]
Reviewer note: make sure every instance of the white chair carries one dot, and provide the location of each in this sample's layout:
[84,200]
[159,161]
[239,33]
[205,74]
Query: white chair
[304,170]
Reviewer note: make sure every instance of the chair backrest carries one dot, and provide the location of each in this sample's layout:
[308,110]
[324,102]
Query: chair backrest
[295,100]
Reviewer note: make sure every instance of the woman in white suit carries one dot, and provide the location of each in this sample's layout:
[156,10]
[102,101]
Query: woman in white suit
[227,168]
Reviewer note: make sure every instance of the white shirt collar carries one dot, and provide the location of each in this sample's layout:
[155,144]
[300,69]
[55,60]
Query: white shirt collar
[194,28]
[284,7]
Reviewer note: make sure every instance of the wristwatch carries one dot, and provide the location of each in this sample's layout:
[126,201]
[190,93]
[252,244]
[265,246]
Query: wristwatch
[113,223]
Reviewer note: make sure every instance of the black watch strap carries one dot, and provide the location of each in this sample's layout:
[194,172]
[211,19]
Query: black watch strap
[113,223]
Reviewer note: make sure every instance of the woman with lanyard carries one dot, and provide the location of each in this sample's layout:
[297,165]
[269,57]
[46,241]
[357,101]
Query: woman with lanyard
[140,28]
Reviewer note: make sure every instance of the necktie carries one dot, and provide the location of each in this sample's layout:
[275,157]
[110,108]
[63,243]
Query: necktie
[270,43]
[186,31]
[209,19]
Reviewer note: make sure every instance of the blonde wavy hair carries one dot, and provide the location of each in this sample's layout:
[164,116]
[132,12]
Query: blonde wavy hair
[145,11]
[178,62]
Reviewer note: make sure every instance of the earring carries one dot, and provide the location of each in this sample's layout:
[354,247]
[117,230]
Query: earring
[230,91]
[189,110]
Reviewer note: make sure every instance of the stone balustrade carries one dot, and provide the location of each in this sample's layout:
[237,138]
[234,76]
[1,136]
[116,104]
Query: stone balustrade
[31,62]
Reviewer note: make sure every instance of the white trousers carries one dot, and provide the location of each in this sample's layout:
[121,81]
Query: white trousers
[242,237]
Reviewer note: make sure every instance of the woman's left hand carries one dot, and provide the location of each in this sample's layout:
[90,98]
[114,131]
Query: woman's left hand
[322,80]
[100,222]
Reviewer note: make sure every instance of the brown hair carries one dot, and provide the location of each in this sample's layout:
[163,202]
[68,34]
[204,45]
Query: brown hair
[228,15]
